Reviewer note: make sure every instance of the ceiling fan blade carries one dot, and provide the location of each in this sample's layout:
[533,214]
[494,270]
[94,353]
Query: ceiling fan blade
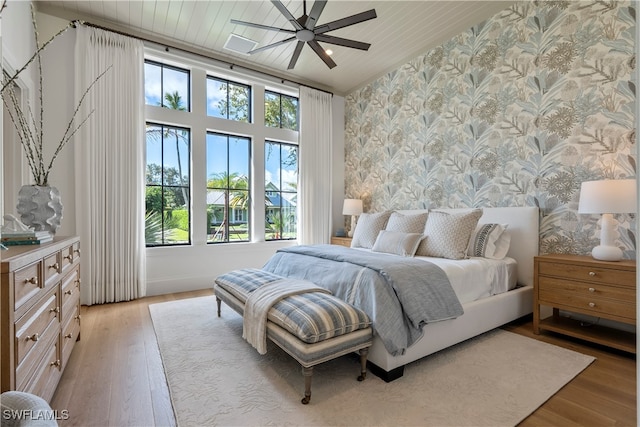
[345,22]
[283,10]
[321,53]
[264,27]
[316,10]
[296,55]
[269,46]
[342,42]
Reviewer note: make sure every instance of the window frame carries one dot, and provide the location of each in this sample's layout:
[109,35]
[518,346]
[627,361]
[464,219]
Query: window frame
[164,66]
[280,191]
[280,96]
[228,82]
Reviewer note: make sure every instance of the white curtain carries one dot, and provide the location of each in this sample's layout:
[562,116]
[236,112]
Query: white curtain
[110,162]
[315,166]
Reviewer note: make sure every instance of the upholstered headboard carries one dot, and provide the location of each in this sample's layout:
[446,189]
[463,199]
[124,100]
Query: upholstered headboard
[523,228]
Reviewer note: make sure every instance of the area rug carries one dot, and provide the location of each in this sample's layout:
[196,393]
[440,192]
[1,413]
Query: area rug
[216,379]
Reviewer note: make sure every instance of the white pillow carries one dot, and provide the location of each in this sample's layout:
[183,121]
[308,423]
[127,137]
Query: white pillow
[448,234]
[489,241]
[367,229]
[397,242]
[407,223]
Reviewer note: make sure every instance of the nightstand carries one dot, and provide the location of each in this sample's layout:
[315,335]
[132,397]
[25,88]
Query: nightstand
[581,284]
[342,241]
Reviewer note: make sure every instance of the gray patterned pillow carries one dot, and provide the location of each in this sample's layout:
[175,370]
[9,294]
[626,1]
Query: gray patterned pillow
[397,242]
[407,223]
[448,234]
[489,241]
[367,229]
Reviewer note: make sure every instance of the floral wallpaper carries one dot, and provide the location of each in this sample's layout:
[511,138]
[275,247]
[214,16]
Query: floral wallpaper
[516,111]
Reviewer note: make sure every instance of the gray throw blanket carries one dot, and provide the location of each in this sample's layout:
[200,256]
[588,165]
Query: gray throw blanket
[399,294]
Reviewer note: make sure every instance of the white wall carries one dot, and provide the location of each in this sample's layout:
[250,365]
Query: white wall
[173,269]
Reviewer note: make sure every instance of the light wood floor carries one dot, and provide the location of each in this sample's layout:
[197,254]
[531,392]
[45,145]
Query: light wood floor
[115,377]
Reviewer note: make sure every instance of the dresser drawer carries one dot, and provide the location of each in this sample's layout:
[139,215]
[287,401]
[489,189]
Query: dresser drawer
[48,372]
[70,294]
[28,283]
[66,258]
[51,268]
[70,332]
[31,326]
[588,304]
[588,273]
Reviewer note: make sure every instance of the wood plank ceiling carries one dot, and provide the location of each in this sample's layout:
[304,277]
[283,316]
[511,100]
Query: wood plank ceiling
[402,31]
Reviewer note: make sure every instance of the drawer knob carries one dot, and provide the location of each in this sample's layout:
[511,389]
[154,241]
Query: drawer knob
[68,292]
[33,280]
[78,317]
[55,363]
[33,337]
[77,251]
[69,257]
[55,266]
[69,335]
[54,310]
[592,289]
[592,273]
[592,304]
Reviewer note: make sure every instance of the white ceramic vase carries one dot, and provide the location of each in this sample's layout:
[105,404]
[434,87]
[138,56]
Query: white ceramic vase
[40,207]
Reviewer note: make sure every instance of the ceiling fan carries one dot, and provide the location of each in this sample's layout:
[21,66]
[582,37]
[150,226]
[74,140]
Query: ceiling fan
[306,31]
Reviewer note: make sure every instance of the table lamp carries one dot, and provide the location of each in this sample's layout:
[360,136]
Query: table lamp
[607,197]
[352,207]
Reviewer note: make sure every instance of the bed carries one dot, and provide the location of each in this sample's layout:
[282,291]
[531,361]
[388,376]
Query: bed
[482,309]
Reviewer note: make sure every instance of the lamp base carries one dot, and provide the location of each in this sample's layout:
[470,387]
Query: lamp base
[607,253]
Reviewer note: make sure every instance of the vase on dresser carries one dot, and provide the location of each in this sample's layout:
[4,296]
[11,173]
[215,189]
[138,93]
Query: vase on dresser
[40,207]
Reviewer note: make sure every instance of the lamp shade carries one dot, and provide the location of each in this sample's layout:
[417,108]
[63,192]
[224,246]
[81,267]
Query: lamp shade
[608,196]
[352,207]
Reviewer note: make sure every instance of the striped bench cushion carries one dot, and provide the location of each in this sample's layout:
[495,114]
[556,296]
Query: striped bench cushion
[312,316]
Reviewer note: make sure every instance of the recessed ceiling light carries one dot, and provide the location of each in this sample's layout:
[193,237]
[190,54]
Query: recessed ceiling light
[329,52]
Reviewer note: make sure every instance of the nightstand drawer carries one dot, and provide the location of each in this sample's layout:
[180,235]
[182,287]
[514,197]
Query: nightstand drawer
[594,306]
[550,286]
[588,273]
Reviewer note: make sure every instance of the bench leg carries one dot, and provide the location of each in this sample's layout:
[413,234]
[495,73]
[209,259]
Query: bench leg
[219,303]
[364,352]
[307,373]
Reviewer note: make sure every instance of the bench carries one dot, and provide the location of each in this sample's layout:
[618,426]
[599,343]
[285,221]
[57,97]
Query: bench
[312,327]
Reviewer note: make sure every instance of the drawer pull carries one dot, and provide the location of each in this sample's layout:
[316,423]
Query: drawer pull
[55,266]
[54,310]
[33,281]
[33,337]
[68,292]
[592,289]
[69,335]
[592,273]
[77,251]
[69,257]
[78,317]
[592,304]
[55,363]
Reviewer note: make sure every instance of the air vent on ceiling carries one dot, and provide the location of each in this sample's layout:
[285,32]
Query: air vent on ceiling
[239,44]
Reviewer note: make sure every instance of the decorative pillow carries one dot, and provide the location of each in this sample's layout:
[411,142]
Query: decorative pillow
[367,229]
[448,234]
[489,241]
[407,223]
[397,242]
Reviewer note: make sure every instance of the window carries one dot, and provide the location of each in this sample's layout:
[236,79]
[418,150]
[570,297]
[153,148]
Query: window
[166,86]
[228,195]
[280,111]
[281,190]
[228,100]
[167,219]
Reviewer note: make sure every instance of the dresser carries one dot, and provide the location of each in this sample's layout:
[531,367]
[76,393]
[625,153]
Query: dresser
[40,306]
[581,284]
[342,241]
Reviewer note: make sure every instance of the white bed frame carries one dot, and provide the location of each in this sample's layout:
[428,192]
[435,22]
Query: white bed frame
[481,315]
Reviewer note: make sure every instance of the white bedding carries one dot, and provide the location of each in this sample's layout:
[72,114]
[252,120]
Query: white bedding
[476,278]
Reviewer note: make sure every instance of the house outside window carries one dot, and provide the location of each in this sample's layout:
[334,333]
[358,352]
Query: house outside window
[281,190]
[280,111]
[228,184]
[167,193]
[210,110]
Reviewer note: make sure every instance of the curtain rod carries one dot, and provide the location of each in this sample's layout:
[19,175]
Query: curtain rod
[231,65]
